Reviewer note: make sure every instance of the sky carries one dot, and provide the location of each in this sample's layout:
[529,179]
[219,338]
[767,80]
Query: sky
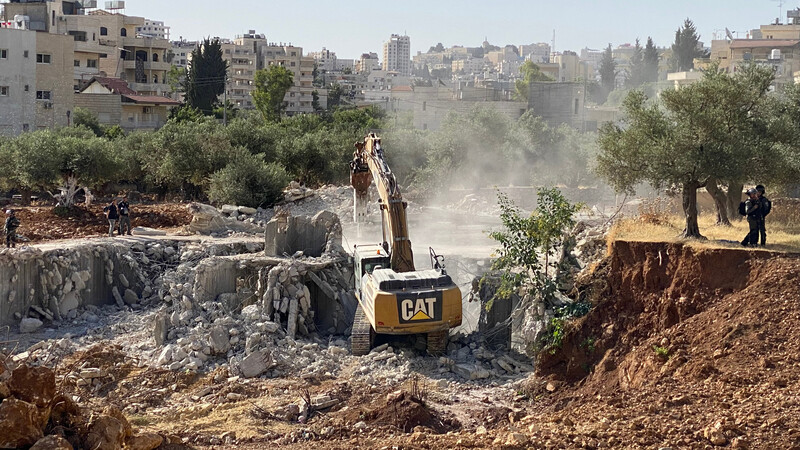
[351,28]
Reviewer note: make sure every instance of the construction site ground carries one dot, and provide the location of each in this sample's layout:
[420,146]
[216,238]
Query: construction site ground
[683,348]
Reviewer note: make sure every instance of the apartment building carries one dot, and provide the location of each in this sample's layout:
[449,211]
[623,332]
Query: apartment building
[242,55]
[181,52]
[397,54]
[105,43]
[538,53]
[367,63]
[153,28]
[17,81]
[300,96]
[325,60]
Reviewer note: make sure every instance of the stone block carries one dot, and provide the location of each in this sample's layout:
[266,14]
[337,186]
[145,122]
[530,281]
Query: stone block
[29,325]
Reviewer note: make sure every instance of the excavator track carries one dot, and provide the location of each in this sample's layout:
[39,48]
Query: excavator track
[437,343]
[362,335]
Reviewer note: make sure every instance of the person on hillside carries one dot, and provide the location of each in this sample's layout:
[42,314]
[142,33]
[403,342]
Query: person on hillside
[11,225]
[124,216]
[765,207]
[112,213]
[753,213]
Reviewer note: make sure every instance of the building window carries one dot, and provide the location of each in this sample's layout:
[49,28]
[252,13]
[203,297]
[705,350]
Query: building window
[123,32]
[42,58]
[76,63]
[25,54]
[155,57]
[155,78]
[3,91]
[92,63]
[43,95]
[103,31]
[424,106]
[25,127]
[576,106]
[3,53]
[27,88]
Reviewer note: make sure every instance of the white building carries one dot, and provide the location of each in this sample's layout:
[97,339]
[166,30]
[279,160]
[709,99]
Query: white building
[153,28]
[17,81]
[397,54]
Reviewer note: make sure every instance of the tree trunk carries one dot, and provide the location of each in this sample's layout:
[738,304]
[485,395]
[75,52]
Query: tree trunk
[692,230]
[734,197]
[720,202]
[68,191]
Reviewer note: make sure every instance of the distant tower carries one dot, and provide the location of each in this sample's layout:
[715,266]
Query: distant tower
[397,54]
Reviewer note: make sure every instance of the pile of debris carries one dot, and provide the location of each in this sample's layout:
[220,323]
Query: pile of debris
[35,414]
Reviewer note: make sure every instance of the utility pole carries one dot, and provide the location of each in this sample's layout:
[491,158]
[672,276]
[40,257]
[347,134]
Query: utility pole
[225,101]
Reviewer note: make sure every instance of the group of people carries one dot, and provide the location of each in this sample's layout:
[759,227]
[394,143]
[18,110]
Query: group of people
[119,212]
[756,208]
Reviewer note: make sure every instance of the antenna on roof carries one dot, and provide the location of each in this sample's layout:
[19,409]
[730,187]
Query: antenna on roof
[780,10]
[728,34]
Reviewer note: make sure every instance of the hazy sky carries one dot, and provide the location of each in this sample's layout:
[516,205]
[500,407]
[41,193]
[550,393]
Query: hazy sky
[353,27]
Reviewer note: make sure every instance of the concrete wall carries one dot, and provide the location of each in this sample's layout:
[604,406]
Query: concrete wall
[107,107]
[558,103]
[18,75]
[55,77]
[61,278]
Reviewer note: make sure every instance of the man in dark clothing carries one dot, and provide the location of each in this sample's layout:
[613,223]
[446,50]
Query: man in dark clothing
[124,216]
[753,212]
[765,207]
[12,223]
[112,214]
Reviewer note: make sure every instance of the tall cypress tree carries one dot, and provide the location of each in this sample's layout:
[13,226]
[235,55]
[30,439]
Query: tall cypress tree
[686,47]
[608,73]
[650,59]
[636,71]
[205,79]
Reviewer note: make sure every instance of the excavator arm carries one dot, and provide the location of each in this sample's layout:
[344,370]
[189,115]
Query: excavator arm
[369,165]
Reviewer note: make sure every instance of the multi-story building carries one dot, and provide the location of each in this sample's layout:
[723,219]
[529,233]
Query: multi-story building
[105,43]
[153,28]
[242,55]
[325,60]
[397,54]
[468,66]
[181,52]
[538,53]
[571,68]
[300,96]
[17,81]
[367,63]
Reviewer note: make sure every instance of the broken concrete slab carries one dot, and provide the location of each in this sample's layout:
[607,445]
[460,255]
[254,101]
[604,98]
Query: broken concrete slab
[29,325]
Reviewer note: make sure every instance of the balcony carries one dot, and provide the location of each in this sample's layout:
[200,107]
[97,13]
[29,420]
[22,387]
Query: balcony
[93,47]
[150,88]
[145,42]
[147,65]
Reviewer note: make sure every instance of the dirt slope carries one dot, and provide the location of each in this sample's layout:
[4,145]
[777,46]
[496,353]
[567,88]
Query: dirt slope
[685,347]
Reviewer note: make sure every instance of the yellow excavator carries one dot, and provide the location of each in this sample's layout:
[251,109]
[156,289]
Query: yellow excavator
[393,297]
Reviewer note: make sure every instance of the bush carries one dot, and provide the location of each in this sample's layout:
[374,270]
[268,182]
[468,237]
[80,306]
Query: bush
[248,181]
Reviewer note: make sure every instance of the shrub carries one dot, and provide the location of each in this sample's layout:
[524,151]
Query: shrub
[248,181]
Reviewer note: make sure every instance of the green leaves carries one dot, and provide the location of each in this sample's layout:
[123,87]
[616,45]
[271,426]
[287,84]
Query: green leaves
[205,77]
[526,242]
[271,87]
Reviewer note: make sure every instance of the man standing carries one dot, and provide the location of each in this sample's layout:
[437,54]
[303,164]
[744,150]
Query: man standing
[112,214]
[12,223]
[754,218]
[124,216]
[765,208]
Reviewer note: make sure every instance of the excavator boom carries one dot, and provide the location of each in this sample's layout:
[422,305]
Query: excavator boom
[369,164]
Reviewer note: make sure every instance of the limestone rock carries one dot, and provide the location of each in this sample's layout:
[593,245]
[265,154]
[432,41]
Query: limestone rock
[160,329]
[145,441]
[247,210]
[68,302]
[29,325]
[36,385]
[255,364]
[219,340]
[52,443]
[19,424]
[130,297]
[105,433]
[113,411]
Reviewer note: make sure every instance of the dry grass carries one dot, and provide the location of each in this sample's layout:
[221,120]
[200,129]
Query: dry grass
[782,235]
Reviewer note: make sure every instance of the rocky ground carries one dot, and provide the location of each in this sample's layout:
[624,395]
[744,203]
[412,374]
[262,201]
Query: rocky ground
[683,348]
